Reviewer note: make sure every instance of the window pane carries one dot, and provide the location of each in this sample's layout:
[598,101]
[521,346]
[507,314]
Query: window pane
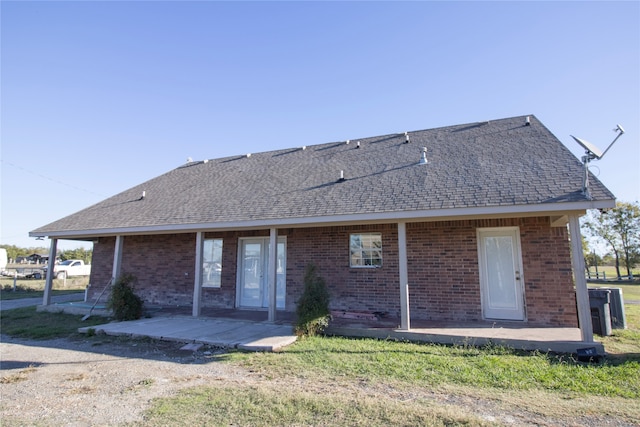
[365,250]
[356,259]
[211,263]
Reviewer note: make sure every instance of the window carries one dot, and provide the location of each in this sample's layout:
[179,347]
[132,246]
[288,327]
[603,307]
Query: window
[211,263]
[366,250]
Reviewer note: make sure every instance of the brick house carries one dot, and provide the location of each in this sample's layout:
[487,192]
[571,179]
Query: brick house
[463,223]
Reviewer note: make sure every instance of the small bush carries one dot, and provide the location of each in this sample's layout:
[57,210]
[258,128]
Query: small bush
[313,305]
[126,305]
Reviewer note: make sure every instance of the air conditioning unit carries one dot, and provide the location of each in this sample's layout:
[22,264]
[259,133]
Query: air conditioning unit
[616,308]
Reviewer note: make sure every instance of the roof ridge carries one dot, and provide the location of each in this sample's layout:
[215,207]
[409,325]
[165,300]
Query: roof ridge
[287,150]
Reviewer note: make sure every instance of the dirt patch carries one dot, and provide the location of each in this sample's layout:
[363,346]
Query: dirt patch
[100,381]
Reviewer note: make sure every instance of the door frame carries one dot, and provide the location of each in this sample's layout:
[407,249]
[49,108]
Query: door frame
[264,283]
[520,312]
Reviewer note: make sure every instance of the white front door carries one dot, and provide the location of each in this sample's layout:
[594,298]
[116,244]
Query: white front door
[501,279]
[253,280]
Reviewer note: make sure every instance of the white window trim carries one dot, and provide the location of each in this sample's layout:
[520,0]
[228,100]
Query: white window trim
[362,249]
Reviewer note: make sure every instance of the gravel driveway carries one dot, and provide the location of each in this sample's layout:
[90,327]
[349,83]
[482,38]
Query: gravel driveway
[88,383]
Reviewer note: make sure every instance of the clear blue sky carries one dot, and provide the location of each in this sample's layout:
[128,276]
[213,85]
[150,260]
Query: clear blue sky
[100,96]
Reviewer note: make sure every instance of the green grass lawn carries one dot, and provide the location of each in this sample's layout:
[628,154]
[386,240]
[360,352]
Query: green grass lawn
[7,295]
[629,291]
[28,323]
[284,406]
[436,365]
[342,381]
[27,288]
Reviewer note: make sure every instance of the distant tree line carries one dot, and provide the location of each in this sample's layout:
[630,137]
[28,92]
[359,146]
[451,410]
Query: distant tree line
[15,252]
[619,229]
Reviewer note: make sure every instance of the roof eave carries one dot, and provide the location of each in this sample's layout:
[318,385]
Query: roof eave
[542,209]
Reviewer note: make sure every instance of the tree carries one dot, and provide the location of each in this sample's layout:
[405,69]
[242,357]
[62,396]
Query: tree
[78,253]
[14,252]
[620,228]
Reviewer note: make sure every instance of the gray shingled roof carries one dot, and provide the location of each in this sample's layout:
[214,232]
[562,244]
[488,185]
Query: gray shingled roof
[480,165]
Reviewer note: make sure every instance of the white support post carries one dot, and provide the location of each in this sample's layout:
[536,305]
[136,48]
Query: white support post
[272,270]
[197,284]
[582,293]
[405,323]
[48,283]
[117,258]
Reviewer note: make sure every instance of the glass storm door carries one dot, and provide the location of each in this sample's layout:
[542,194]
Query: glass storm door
[501,274]
[253,286]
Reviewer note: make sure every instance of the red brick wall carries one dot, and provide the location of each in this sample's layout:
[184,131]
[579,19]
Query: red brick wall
[101,267]
[550,294]
[163,264]
[444,277]
[351,289]
[444,282]
[102,262]
[442,262]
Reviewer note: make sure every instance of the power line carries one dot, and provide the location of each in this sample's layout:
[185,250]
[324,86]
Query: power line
[57,181]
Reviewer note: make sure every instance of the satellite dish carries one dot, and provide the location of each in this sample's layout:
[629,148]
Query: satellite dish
[593,153]
[591,149]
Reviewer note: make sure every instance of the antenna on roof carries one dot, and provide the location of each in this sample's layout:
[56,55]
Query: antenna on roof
[593,153]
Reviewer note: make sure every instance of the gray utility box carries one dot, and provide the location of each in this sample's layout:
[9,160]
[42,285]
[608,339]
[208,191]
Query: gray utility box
[616,308]
[600,313]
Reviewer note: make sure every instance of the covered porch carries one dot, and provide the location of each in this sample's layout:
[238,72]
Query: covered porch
[177,324]
[508,333]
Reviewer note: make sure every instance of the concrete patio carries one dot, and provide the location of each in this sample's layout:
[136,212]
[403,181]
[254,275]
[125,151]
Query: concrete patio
[226,333]
[249,330]
[544,339]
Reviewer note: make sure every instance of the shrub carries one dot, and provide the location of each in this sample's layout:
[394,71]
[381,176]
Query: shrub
[126,305]
[313,306]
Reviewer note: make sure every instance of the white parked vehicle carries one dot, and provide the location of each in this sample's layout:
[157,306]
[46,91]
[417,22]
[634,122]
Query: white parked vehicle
[3,259]
[71,267]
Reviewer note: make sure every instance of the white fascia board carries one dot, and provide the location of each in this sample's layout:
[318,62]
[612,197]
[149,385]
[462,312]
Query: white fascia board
[382,217]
